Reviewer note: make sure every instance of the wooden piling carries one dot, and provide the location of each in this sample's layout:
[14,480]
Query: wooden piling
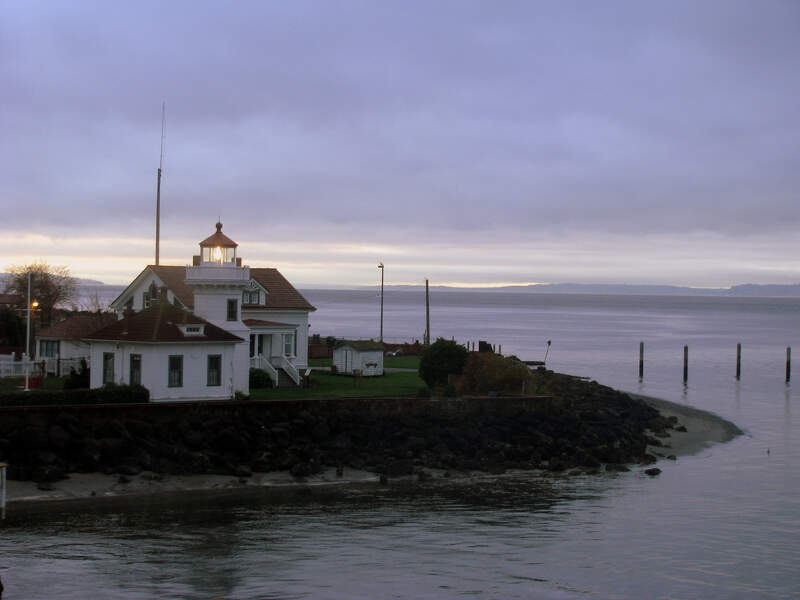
[685,364]
[641,360]
[3,483]
[788,364]
[738,361]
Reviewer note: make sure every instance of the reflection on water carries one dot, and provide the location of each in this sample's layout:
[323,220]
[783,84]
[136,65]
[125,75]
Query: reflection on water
[248,544]
[722,524]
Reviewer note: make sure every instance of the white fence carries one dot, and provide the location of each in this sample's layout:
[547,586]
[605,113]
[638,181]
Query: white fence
[19,368]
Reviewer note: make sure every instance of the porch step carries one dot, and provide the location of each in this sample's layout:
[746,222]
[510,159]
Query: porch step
[284,380]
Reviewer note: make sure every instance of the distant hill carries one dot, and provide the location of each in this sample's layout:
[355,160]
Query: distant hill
[743,290]
[78,280]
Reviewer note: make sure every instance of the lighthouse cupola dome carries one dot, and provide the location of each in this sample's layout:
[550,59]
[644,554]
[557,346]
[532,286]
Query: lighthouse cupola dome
[218,248]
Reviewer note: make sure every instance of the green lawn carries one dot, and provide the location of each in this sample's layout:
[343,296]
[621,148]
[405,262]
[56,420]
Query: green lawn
[325,385]
[396,362]
[320,362]
[15,384]
[401,362]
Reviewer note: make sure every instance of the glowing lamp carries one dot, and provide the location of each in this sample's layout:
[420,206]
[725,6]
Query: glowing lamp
[218,254]
[34,304]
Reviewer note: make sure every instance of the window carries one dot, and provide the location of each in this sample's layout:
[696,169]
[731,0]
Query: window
[250,297]
[48,348]
[175,371]
[193,329]
[151,296]
[233,310]
[136,370]
[214,370]
[252,345]
[288,344]
[108,367]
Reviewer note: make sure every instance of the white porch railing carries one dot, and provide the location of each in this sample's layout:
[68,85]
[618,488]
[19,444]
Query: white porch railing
[261,362]
[19,368]
[290,369]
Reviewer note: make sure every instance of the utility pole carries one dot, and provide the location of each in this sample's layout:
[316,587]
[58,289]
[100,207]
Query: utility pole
[158,185]
[380,266]
[427,340]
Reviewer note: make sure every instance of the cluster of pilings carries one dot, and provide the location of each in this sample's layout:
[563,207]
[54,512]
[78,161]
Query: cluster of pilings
[738,362]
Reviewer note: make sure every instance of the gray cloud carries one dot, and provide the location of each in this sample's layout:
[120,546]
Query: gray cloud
[403,121]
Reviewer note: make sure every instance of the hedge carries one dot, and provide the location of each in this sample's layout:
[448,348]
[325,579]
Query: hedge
[109,394]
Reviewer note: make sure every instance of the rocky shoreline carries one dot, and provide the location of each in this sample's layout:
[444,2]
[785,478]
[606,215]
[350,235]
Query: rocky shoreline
[573,426]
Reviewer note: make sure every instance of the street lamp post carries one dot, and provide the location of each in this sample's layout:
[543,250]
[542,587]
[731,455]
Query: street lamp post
[29,307]
[380,266]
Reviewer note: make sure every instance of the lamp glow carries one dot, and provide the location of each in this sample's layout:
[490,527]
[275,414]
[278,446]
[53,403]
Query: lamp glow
[218,254]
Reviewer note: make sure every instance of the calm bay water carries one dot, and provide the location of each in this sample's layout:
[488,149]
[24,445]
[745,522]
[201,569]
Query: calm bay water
[724,523]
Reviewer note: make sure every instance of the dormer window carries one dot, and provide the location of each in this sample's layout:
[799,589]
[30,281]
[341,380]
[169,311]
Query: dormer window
[195,329]
[251,297]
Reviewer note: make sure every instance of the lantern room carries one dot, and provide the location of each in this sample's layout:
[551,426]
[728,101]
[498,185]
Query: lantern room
[218,249]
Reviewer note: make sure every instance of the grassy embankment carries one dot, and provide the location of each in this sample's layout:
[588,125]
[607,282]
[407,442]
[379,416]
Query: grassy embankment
[326,385]
[323,384]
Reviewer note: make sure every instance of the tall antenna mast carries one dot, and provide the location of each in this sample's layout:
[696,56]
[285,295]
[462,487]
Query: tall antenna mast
[158,186]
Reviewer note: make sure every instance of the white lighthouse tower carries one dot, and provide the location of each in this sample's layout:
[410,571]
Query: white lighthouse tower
[218,279]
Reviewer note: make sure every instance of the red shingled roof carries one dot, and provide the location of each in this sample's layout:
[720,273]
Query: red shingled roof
[282,294]
[159,323]
[174,277]
[11,299]
[78,326]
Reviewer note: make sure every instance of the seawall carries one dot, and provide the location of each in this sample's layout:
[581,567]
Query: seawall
[586,425]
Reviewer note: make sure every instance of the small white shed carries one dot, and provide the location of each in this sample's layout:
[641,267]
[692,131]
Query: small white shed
[363,355]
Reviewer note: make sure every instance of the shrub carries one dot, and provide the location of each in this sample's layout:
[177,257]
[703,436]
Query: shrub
[487,372]
[259,379]
[108,394]
[78,380]
[440,359]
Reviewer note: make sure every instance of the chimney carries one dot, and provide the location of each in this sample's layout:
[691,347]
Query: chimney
[126,315]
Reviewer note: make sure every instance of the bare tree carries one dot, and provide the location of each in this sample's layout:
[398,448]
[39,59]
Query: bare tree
[50,286]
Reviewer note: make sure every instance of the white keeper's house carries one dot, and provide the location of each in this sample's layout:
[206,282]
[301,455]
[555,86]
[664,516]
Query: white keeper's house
[194,332]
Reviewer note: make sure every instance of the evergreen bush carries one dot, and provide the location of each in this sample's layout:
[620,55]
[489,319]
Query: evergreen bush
[440,359]
[259,379]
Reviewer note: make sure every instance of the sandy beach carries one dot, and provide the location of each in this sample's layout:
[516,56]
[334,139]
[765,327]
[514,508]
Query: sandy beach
[702,430]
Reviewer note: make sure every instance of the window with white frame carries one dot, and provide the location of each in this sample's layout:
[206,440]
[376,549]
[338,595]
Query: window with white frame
[48,348]
[233,310]
[175,371]
[214,371]
[288,344]
[108,367]
[250,297]
[135,369]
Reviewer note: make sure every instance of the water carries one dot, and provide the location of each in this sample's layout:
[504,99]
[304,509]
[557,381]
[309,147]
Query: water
[721,524]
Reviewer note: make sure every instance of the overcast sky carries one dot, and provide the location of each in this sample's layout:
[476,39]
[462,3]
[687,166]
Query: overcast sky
[467,142]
